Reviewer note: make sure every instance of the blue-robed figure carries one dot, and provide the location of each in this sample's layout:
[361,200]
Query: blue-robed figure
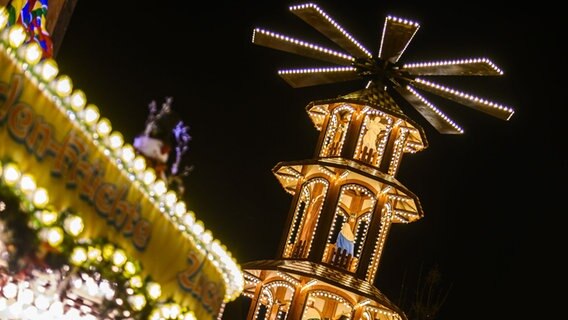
[345,239]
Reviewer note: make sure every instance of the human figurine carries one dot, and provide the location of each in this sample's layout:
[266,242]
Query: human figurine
[164,134]
[346,238]
[374,130]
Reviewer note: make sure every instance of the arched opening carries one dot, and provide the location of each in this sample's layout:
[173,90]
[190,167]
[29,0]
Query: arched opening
[306,216]
[336,132]
[350,226]
[322,304]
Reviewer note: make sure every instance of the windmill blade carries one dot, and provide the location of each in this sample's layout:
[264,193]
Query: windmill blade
[466,99]
[464,67]
[397,34]
[299,47]
[322,22]
[298,78]
[433,115]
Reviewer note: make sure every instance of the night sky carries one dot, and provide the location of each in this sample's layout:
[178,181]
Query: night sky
[489,195]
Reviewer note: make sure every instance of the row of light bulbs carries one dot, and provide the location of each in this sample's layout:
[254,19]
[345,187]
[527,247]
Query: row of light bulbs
[11,176]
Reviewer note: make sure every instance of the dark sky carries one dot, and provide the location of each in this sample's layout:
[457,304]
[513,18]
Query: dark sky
[488,195]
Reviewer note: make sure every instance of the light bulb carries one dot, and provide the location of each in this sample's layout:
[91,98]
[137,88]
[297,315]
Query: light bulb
[47,69]
[180,209]
[154,290]
[27,183]
[47,217]
[139,164]
[40,198]
[73,225]
[116,140]
[78,100]
[10,290]
[127,154]
[129,268]
[171,198]
[94,254]
[16,35]
[159,187]
[91,114]
[78,256]
[104,127]
[137,301]
[119,257]
[149,176]
[11,174]
[63,86]
[33,53]
[55,236]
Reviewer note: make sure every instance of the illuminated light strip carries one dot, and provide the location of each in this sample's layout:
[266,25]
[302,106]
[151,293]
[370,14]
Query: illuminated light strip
[466,96]
[382,311]
[453,62]
[222,260]
[386,221]
[324,194]
[317,70]
[276,284]
[288,278]
[334,125]
[405,213]
[331,295]
[335,24]
[399,20]
[399,197]
[303,44]
[436,110]
[398,148]
[403,21]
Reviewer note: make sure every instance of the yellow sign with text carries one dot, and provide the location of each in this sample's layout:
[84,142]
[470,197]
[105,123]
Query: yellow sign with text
[38,135]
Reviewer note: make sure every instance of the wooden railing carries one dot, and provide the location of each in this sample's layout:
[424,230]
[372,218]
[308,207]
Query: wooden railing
[340,258]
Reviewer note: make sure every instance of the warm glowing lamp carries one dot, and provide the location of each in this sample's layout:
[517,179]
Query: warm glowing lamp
[91,114]
[11,174]
[104,127]
[54,236]
[78,100]
[78,256]
[119,257]
[27,183]
[115,140]
[32,53]
[16,35]
[40,198]
[154,290]
[73,225]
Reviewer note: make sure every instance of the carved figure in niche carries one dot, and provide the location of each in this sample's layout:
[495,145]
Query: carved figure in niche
[340,130]
[346,238]
[375,131]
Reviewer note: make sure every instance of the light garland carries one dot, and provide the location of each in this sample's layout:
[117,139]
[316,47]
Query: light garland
[61,230]
[301,43]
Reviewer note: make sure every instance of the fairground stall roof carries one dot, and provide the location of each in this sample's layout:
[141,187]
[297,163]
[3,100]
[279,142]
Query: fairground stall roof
[92,199]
